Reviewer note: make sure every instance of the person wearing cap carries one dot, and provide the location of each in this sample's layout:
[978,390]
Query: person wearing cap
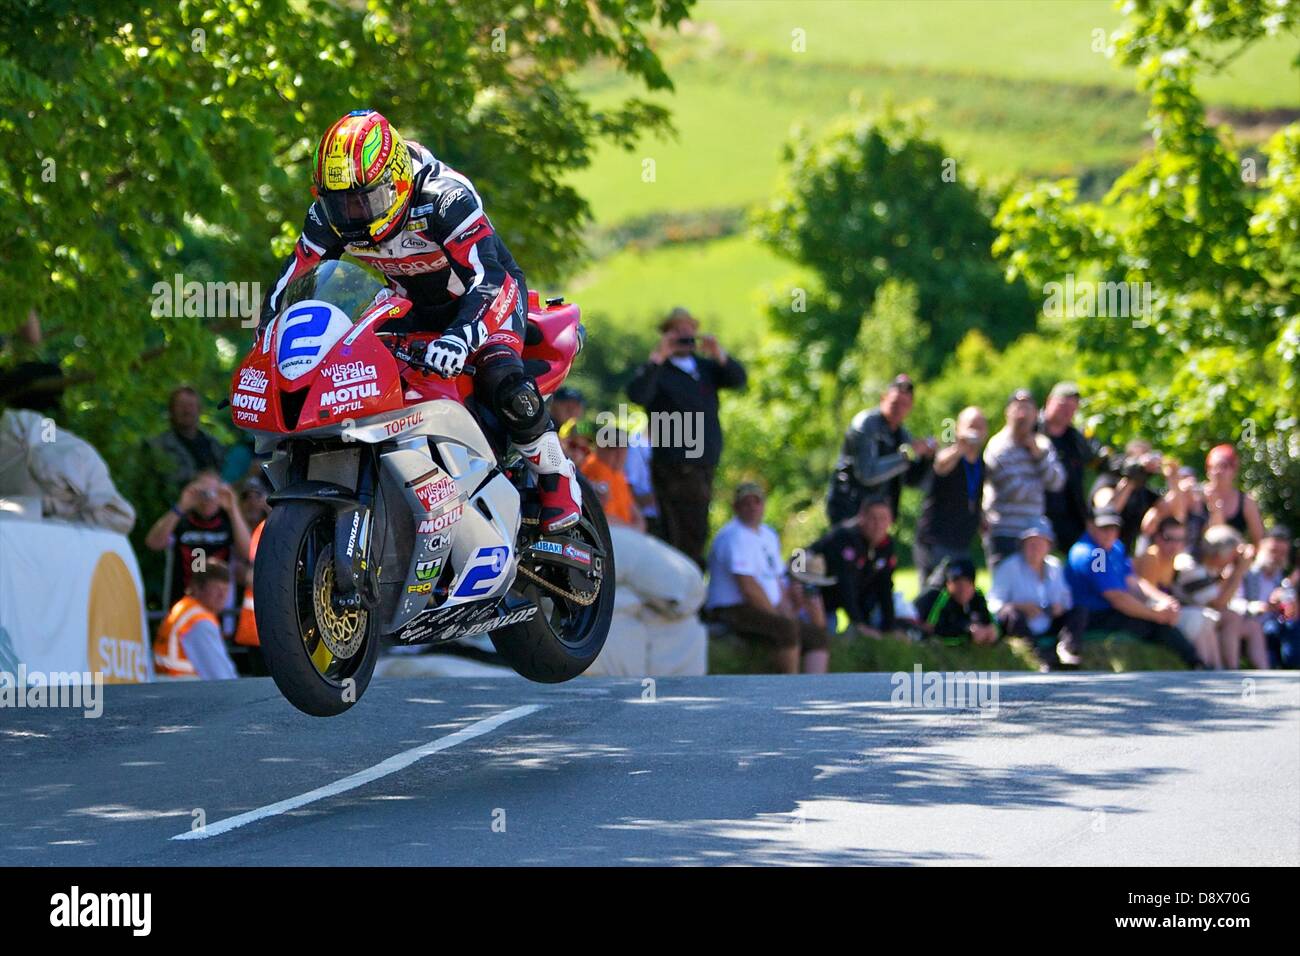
[567,404]
[682,379]
[1268,597]
[878,455]
[1030,599]
[956,611]
[1020,467]
[1102,581]
[1067,507]
[749,590]
[952,506]
[859,555]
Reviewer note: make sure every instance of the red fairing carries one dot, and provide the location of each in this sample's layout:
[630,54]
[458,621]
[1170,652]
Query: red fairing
[559,345]
[354,382]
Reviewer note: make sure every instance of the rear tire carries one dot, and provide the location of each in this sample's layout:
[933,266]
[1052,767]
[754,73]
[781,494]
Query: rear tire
[534,648]
[287,561]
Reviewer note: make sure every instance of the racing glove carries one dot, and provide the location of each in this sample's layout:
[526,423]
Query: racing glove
[447,355]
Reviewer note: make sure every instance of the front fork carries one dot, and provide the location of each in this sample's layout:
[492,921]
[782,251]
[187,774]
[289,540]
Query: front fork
[354,583]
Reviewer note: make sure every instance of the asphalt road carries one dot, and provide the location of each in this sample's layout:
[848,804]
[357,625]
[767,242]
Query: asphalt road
[1139,769]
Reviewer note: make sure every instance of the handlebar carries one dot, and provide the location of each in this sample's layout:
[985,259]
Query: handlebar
[401,353]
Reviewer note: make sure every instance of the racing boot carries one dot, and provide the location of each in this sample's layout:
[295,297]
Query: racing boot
[557,482]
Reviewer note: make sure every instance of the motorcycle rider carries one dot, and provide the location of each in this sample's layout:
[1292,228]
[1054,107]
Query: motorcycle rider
[391,204]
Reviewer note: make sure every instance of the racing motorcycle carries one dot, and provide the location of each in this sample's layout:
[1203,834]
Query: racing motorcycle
[399,514]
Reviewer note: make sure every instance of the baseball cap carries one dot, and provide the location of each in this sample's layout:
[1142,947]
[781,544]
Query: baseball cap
[747,488]
[902,383]
[1064,390]
[960,568]
[1021,395]
[1107,518]
[1042,528]
[566,393]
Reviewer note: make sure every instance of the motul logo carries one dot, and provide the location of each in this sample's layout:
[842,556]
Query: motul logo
[251,402]
[350,394]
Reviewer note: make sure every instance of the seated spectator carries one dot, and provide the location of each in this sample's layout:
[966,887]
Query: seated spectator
[1212,583]
[953,487]
[808,572]
[604,468]
[1268,597]
[1030,599]
[748,590]
[1102,581]
[567,404]
[1020,468]
[1183,500]
[1157,566]
[956,612]
[205,525]
[189,449]
[640,481]
[189,644]
[859,555]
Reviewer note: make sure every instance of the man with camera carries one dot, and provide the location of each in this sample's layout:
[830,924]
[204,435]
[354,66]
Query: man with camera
[681,380]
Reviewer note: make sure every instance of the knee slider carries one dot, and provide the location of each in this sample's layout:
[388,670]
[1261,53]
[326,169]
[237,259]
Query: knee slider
[520,403]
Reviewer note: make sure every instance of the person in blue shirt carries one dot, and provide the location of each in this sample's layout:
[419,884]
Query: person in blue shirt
[1102,581]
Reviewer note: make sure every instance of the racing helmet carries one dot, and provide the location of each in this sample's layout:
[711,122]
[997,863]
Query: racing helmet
[363,177]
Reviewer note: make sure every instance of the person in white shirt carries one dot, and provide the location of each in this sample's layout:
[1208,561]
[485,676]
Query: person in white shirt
[749,589]
[1031,599]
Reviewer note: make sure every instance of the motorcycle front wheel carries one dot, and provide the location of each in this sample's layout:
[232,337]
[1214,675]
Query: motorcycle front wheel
[565,636]
[320,658]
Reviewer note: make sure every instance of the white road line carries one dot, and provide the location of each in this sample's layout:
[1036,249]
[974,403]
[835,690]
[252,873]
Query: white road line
[361,778]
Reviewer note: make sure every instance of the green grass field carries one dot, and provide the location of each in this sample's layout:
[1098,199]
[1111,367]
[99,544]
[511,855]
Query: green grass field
[1012,88]
[1037,40]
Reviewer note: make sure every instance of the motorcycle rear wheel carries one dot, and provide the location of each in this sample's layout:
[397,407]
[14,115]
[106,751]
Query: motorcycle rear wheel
[321,661]
[563,638]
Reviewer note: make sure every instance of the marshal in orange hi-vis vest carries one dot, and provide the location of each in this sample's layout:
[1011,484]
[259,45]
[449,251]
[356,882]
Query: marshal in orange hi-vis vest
[246,629]
[169,658]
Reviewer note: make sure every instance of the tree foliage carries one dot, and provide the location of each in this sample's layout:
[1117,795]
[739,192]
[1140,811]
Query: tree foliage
[1212,357]
[139,140]
[877,198]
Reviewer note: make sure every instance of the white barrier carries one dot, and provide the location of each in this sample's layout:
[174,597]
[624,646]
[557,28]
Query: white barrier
[71,601]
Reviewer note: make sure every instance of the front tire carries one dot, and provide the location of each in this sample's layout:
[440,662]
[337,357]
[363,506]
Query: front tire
[322,662]
[562,639]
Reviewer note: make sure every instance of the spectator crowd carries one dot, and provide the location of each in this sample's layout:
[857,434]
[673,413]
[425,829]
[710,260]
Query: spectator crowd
[1079,540]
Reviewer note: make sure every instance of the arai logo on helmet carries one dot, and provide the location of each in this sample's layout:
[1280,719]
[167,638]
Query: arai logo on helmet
[306,334]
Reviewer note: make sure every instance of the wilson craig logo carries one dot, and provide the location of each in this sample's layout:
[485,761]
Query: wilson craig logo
[74,909]
[253,380]
[350,373]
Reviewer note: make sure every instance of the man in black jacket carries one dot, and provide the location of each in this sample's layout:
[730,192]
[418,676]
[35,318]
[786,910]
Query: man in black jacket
[878,455]
[679,388]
